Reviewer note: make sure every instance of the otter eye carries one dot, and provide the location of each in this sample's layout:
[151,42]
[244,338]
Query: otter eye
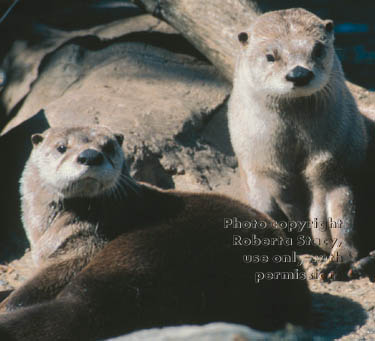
[318,50]
[109,147]
[270,57]
[61,149]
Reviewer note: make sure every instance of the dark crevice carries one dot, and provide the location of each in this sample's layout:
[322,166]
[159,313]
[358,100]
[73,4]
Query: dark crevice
[62,15]
[12,114]
[72,15]
[15,148]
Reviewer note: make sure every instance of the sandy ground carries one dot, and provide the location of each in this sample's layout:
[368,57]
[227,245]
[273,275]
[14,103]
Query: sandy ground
[342,310]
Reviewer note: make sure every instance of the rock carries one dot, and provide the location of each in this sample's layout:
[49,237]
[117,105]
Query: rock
[135,75]
[158,99]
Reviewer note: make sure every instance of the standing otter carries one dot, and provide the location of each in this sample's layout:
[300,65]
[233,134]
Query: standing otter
[115,255]
[296,130]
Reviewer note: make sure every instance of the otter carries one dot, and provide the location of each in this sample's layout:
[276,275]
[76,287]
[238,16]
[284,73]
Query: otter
[116,255]
[296,130]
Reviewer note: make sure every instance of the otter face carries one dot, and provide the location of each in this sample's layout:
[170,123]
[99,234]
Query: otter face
[80,161]
[288,53]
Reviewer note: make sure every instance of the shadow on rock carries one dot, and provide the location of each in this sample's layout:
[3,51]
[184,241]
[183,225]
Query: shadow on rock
[15,147]
[336,316]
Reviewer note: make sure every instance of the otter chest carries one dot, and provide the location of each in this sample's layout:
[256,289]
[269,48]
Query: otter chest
[268,144]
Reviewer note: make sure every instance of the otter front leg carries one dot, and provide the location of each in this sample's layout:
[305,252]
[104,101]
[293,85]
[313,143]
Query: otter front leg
[262,192]
[45,285]
[339,227]
[318,218]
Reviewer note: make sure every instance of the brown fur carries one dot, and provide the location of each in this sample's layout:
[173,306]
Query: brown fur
[160,258]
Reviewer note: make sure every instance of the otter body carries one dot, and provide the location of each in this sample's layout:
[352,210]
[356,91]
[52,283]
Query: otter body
[115,255]
[296,130]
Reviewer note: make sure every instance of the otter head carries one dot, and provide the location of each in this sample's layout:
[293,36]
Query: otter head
[78,161]
[288,53]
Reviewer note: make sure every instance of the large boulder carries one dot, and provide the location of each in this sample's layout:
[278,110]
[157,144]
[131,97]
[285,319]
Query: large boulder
[135,75]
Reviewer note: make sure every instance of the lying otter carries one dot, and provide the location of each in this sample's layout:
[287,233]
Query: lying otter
[115,255]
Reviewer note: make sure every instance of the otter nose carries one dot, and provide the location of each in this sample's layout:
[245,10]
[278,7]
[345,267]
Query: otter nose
[300,76]
[90,157]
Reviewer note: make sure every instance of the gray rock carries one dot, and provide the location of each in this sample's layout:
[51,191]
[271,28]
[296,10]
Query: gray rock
[137,76]
[160,100]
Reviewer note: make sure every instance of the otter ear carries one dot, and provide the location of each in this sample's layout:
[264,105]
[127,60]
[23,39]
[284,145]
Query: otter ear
[119,138]
[329,26]
[243,38]
[36,139]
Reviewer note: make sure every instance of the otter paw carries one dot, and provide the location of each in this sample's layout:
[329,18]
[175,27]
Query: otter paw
[333,271]
[363,267]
